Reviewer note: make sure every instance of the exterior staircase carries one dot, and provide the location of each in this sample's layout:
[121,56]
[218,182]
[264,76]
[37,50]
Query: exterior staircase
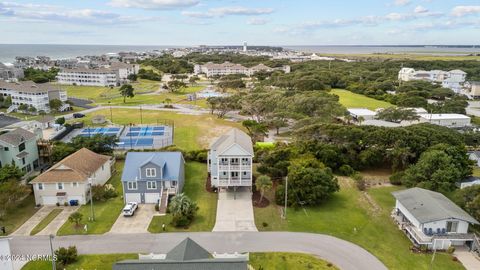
[65,107]
[163,203]
[476,246]
[12,108]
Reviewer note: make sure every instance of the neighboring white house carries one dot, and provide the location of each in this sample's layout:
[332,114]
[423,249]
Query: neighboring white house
[70,178]
[474,156]
[451,120]
[33,94]
[113,75]
[453,79]
[366,114]
[474,89]
[227,68]
[5,252]
[230,160]
[468,182]
[10,73]
[430,219]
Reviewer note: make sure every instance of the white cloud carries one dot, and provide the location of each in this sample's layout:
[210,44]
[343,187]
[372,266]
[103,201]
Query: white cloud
[227,11]
[257,21]
[153,4]
[401,2]
[420,9]
[460,11]
[45,13]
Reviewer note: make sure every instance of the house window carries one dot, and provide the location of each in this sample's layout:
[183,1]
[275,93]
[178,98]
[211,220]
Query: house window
[151,172]
[74,184]
[59,186]
[5,148]
[234,174]
[132,185]
[452,226]
[174,183]
[151,185]
[21,147]
[40,186]
[23,161]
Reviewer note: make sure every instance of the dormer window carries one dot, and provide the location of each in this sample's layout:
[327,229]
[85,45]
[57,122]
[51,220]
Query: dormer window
[151,172]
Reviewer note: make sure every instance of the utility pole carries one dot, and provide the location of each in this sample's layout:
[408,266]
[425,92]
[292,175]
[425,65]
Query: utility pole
[92,212]
[50,237]
[286,195]
[111,114]
[141,116]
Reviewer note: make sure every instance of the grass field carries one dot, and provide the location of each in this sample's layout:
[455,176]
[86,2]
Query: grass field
[407,56]
[353,100]
[86,262]
[191,131]
[195,178]
[106,213]
[350,215]
[44,223]
[288,261]
[23,211]
[268,261]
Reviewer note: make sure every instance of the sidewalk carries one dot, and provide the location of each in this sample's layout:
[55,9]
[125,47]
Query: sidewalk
[469,261]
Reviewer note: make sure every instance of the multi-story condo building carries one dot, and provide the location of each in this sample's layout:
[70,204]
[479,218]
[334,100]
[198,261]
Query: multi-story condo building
[230,160]
[227,68]
[19,148]
[32,94]
[10,73]
[453,79]
[113,75]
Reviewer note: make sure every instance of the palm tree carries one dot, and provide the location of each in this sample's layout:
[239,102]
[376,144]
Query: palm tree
[182,205]
[263,183]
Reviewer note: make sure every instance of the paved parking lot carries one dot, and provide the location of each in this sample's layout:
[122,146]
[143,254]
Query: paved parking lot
[235,212]
[138,223]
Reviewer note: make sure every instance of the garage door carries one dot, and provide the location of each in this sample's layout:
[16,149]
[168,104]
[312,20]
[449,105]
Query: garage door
[152,197]
[49,200]
[132,197]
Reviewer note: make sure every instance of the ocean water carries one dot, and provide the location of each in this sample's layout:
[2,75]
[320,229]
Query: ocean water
[9,51]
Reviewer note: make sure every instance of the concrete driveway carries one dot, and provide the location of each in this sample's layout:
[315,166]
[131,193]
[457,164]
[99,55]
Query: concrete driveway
[469,261]
[28,226]
[138,223]
[58,221]
[235,212]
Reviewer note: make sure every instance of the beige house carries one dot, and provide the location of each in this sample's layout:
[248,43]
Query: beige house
[69,179]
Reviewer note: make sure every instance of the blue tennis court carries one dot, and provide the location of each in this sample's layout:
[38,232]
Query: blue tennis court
[137,142]
[145,131]
[111,131]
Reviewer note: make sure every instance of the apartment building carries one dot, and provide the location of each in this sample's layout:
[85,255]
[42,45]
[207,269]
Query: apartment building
[33,94]
[10,73]
[453,79]
[113,75]
[227,68]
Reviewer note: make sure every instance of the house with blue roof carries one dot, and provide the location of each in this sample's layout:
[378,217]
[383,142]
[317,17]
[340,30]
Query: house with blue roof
[150,177]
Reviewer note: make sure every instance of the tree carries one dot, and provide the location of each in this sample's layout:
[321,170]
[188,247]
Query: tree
[127,90]
[309,183]
[397,115]
[66,256]
[11,192]
[23,107]
[132,77]
[183,210]
[8,101]
[469,199]
[176,86]
[263,183]
[32,109]
[61,150]
[76,218]
[193,80]
[55,104]
[255,130]
[10,172]
[60,121]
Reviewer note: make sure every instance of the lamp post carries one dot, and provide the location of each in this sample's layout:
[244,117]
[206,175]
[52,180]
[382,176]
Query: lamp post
[92,212]
[141,115]
[111,114]
[50,238]
[286,194]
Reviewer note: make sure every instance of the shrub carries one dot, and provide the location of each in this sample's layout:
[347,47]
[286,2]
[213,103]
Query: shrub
[264,224]
[396,178]
[451,250]
[346,170]
[157,207]
[183,210]
[60,121]
[103,193]
[66,256]
[180,221]
[359,182]
[280,195]
[65,204]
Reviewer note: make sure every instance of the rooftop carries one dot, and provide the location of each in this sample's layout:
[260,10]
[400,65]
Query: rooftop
[428,206]
[170,162]
[29,86]
[234,136]
[17,136]
[361,111]
[444,116]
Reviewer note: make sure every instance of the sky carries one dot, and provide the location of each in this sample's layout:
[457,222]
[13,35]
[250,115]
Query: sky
[231,22]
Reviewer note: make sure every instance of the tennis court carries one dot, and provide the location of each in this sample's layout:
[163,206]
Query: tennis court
[109,131]
[142,137]
[145,131]
[135,142]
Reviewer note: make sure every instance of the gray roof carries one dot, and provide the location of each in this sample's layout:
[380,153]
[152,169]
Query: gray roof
[134,160]
[428,206]
[187,250]
[475,153]
[188,255]
[29,86]
[234,136]
[17,136]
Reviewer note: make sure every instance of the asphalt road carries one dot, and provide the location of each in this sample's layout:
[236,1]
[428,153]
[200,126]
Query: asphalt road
[344,254]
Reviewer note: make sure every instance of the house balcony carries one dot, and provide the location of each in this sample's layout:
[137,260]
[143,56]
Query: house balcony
[235,181]
[235,167]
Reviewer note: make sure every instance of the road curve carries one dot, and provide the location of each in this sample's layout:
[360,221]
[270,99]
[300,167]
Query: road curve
[343,254]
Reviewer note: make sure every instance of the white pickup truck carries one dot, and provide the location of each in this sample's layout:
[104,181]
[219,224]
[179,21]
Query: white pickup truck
[129,209]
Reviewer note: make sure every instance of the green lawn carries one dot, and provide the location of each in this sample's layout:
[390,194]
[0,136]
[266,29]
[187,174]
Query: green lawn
[106,213]
[191,131]
[476,171]
[195,178]
[353,100]
[106,93]
[288,261]
[350,216]
[86,262]
[51,216]
[23,211]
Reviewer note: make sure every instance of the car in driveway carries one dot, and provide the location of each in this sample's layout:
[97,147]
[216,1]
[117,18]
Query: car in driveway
[78,115]
[129,209]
